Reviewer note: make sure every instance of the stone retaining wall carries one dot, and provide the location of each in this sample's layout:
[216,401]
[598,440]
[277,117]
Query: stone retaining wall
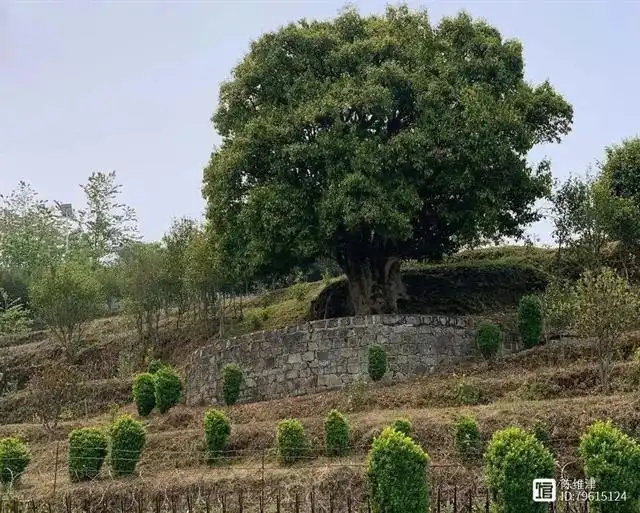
[328,354]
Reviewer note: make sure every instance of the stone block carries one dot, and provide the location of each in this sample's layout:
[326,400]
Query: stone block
[294,358]
[329,381]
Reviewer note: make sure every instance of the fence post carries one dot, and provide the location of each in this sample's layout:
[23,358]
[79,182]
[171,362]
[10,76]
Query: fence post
[312,498]
[55,471]
[455,499]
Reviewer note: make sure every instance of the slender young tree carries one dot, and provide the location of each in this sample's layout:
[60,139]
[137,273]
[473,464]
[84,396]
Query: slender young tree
[107,224]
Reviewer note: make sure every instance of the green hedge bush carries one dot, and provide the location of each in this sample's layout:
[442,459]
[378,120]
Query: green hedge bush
[144,393]
[467,436]
[336,434]
[612,458]
[232,378]
[514,458]
[377,367]
[217,430]
[396,470]
[87,451]
[168,388]
[127,441]
[292,441]
[403,425]
[14,459]
[488,339]
[530,321]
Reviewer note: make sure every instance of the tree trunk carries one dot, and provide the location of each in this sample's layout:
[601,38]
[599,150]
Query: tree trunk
[375,285]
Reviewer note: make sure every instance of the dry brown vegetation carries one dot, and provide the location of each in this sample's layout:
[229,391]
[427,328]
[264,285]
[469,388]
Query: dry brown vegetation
[518,390]
[553,384]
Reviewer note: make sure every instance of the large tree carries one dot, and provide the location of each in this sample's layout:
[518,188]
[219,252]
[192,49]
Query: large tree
[371,139]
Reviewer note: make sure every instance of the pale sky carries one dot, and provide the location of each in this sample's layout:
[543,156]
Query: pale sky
[130,86]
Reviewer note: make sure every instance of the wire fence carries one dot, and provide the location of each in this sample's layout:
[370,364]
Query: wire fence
[188,480]
[264,500]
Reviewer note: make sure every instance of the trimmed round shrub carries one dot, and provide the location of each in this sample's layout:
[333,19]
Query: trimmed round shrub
[488,339]
[291,440]
[87,451]
[127,441]
[403,425]
[336,434]
[217,430]
[14,459]
[155,365]
[468,442]
[231,383]
[168,388]
[530,320]
[377,367]
[396,470]
[613,459]
[514,458]
[144,393]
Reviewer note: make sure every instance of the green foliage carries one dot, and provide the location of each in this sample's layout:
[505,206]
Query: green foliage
[87,451]
[291,441]
[176,286]
[620,171]
[232,379]
[364,198]
[108,225]
[31,232]
[541,432]
[514,458]
[127,441]
[14,458]
[155,365]
[605,308]
[336,434]
[168,388]
[144,393]
[66,297]
[613,459]
[217,430]
[530,320]
[299,291]
[397,474]
[258,317]
[467,394]
[14,317]
[489,338]
[467,437]
[377,363]
[580,211]
[557,307]
[404,426]
[143,280]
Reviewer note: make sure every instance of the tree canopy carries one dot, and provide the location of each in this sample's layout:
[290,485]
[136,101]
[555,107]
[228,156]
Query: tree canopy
[370,139]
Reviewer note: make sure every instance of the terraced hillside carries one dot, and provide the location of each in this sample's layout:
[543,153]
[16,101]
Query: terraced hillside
[549,387]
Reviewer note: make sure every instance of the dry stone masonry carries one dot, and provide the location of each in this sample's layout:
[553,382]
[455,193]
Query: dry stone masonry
[328,354]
